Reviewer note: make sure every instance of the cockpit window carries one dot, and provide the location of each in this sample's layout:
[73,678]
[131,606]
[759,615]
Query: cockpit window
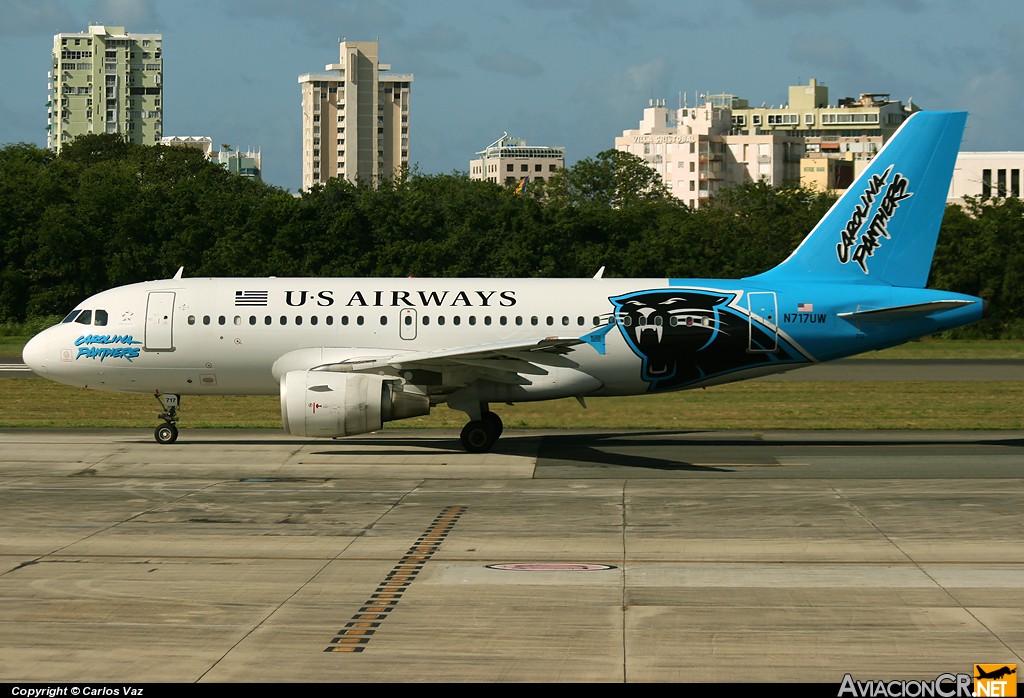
[101,318]
[71,316]
[85,318]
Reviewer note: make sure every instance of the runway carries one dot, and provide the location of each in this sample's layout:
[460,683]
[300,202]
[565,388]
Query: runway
[251,556]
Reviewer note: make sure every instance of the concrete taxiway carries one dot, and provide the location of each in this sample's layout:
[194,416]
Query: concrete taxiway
[244,556]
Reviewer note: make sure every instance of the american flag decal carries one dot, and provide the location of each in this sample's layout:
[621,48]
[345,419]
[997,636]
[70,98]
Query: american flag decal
[805,307]
[251,298]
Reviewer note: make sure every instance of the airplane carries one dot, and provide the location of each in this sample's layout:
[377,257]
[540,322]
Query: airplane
[997,674]
[347,355]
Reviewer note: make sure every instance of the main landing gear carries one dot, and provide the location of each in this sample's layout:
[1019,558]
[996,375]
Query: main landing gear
[167,433]
[479,435]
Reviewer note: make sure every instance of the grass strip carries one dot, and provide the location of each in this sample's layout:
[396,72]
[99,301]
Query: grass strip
[751,405]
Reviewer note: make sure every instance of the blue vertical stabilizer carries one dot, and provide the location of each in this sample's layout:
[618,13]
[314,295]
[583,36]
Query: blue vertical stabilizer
[883,229]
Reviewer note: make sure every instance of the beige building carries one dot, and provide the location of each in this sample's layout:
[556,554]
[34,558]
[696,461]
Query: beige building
[512,160]
[808,114]
[724,141]
[355,118]
[106,80]
[696,153]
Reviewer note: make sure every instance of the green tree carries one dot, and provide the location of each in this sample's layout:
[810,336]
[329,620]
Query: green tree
[612,178]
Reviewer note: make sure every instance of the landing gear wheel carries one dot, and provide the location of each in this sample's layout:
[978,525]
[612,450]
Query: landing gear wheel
[166,434]
[492,419]
[479,436]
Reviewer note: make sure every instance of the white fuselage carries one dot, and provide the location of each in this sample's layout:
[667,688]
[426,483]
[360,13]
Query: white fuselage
[223,336]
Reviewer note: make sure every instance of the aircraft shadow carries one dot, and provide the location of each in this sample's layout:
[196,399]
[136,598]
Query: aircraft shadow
[636,450]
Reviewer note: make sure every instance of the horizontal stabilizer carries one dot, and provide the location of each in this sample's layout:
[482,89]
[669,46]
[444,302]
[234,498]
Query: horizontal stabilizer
[903,312]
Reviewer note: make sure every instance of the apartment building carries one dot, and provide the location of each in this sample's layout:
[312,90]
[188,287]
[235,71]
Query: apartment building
[724,141]
[694,152]
[355,118]
[105,80]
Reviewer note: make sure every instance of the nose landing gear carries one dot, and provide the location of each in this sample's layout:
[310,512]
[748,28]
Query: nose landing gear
[167,433]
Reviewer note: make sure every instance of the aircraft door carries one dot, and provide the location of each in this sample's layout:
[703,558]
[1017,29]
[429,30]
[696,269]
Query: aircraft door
[407,323]
[764,321]
[159,313]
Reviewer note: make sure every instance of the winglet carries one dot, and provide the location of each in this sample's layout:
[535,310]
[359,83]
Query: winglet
[596,338]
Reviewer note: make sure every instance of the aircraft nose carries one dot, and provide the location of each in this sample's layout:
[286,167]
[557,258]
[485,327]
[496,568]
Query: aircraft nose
[34,354]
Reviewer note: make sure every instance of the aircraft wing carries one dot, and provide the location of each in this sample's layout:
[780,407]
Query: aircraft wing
[507,362]
[498,360]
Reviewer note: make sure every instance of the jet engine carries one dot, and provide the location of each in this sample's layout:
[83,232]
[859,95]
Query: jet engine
[326,404]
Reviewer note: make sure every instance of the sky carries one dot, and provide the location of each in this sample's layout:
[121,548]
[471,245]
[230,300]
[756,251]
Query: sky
[572,73]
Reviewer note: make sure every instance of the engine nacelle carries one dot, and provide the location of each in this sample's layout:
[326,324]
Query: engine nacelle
[326,404]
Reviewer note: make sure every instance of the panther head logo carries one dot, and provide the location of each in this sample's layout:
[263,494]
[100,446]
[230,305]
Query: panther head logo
[686,335]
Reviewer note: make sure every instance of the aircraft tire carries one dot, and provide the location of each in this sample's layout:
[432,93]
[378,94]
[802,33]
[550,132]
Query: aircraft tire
[478,436]
[492,419]
[166,434]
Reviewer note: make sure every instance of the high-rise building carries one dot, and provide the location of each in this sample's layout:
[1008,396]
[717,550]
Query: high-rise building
[355,118]
[106,80]
[511,161]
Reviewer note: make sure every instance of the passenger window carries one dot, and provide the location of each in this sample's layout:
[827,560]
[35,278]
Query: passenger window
[252,319]
[533,320]
[359,319]
[503,320]
[284,320]
[487,319]
[191,319]
[456,320]
[383,320]
[85,318]
[565,321]
[519,319]
[472,319]
[313,320]
[440,319]
[206,319]
[238,320]
[298,319]
[268,320]
[222,320]
[580,321]
[408,320]
[426,320]
[344,319]
[101,318]
[330,319]
[551,320]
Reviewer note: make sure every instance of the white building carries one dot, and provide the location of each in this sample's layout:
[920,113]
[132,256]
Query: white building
[512,160]
[986,175]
